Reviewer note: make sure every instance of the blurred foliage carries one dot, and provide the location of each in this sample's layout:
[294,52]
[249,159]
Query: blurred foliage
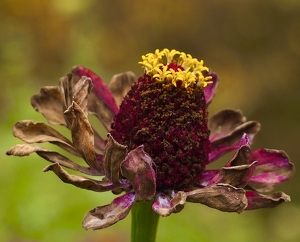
[253,45]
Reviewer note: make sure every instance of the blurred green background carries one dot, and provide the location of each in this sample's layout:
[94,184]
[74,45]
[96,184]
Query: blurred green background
[253,45]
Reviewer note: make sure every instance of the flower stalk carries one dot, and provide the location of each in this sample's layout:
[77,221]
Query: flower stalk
[144,222]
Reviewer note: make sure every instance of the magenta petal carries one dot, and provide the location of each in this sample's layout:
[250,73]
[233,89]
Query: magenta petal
[219,150]
[100,88]
[273,167]
[137,167]
[256,200]
[205,177]
[164,206]
[107,215]
[210,89]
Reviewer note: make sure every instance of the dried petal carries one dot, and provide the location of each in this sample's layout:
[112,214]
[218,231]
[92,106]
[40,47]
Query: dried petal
[211,89]
[23,150]
[234,140]
[164,206]
[256,200]
[37,132]
[114,154]
[223,197]
[82,134]
[224,123]
[120,84]
[49,103]
[81,91]
[105,216]
[101,101]
[137,167]
[273,167]
[80,181]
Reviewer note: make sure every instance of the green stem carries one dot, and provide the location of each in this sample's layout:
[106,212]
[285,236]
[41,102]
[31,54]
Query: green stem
[144,222]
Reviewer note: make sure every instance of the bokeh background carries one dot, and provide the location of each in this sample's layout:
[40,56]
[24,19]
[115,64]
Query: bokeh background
[253,45]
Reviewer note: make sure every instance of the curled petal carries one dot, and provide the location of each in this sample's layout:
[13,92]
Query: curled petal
[256,200]
[234,140]
[101,101]
[24,149]
[164,206]
[82,135]
[211,89]
[81,91]
[120,84]
[273,167]
[137,167]
[224,123]
[80,181]
[37,132]
[114,154]
[223,197]
[105,216]
[49,103]
[205,177]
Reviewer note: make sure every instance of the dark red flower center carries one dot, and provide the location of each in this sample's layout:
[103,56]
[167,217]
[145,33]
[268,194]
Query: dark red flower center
[171,122]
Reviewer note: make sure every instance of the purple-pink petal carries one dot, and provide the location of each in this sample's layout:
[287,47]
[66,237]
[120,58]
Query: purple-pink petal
[219,150]
[100,88]
[107,215]
[273,167]
[164,206]
[137,167]
[256,200]
[210,89]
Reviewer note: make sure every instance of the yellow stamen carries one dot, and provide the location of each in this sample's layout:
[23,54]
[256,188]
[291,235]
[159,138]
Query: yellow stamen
[192,72]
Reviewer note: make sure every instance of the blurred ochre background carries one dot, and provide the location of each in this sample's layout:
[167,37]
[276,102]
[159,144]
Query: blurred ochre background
[253,45]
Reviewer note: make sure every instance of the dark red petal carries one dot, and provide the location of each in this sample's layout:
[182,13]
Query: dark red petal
[105,216]
[256,200]
[273,167]
[137,167]
[100,87]
[165,207]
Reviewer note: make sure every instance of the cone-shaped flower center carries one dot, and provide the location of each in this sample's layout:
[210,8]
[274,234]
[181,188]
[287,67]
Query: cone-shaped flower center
[165,110]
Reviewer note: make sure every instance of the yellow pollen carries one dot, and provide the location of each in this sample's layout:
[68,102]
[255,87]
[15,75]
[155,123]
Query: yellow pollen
[156,65]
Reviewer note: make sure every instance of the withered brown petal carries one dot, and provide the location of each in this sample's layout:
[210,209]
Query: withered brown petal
[137,167]
[79,181]
[49,103]
[224,122]
[256,200]
[99,143]
[23,150]
[164,206]
[223,197]
[105,216]
[114,154]
[97,107]
[38,132]
[51,156]
[120,84]
[81,91]
[82,135]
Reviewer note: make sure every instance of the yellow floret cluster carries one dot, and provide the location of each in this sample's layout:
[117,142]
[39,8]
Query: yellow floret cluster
[156,65]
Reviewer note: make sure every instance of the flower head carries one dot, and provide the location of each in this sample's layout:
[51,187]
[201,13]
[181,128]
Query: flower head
[159,141]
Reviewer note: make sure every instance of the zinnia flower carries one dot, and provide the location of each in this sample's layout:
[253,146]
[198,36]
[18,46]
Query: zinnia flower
[159,141]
